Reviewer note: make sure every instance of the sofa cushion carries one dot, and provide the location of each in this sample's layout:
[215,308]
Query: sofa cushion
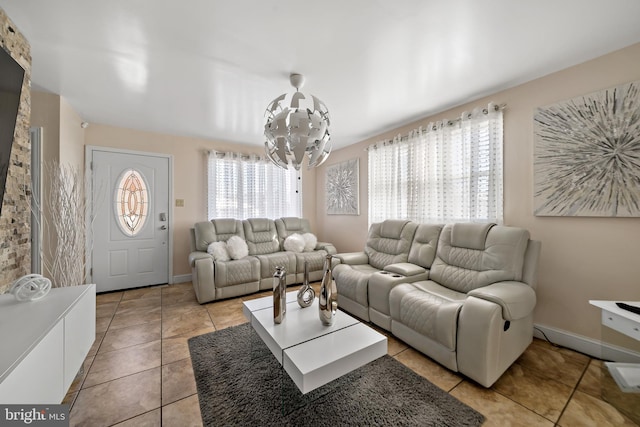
[310,241]
[219,252]
[314,259]
[389,242]
[430,313]
[237,247]
[216,230]
[235,272]
[470,235]
[352,281]
[261,236]
[464,269]
[424,245]
[294,243]
[227,227]
[205,234]
[269,262]
[434,288]
[289,225]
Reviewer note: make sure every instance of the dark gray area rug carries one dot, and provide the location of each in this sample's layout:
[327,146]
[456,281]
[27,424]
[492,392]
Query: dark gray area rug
[240,383]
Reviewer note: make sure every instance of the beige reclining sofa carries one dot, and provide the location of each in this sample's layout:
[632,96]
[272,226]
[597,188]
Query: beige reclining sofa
[463,294]
[216,279]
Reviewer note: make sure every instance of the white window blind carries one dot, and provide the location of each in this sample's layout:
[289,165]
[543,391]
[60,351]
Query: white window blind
[242,186]
[449,172]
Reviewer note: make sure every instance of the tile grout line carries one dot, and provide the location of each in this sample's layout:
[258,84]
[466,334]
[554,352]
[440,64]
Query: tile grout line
[536,373]
[162,321]
[212,324]
[189,357]
[108,326]
[161,348]
[523,406]
[134,373]
[573,392]
[80,388]
[160,407]
[454,387]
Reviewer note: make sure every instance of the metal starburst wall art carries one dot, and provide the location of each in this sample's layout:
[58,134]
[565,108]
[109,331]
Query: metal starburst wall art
[587,155]
[342,188]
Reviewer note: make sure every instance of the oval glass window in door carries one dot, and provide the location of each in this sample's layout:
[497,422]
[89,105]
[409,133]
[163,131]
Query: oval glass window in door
[131,202]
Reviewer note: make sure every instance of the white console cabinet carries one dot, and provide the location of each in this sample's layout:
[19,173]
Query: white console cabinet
[44,343]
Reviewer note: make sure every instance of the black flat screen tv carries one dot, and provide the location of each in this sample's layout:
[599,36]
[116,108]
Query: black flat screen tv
[11,77]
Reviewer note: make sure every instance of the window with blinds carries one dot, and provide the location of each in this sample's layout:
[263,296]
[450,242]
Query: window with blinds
[243,186]
[449,172]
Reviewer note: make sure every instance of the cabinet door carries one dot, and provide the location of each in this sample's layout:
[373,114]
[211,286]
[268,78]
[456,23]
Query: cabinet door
[79,334]
[38,378]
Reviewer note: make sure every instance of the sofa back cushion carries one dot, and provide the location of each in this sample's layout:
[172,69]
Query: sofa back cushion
[216,230]
[424,245]
[261,236]
[290,225]
[389,242]
[204,235]
[227,228]
[471,256]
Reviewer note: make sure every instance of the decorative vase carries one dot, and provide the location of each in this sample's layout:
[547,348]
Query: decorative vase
[328,298]
[306,294]
[279,294]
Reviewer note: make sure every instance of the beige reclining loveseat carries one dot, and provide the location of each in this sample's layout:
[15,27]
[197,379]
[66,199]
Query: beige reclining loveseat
[216,279]
[473,312]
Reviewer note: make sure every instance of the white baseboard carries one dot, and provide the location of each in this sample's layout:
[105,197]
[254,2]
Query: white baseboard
[589,346]
[182,278]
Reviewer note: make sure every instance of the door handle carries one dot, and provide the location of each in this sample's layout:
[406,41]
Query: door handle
[164,227]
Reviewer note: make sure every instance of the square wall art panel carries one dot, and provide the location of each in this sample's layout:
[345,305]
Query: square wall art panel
[342,188]
[587,155]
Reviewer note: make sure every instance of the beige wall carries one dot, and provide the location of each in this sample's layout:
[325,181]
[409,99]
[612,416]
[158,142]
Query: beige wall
[62,133]
[582,258]
[347,232]
[45,113]
[189,177]
[62,141]
[71,136]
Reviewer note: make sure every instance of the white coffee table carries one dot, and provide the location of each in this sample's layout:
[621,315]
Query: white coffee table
[313,354]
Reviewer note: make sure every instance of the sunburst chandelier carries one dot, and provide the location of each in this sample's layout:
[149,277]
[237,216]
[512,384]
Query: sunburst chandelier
[297,126]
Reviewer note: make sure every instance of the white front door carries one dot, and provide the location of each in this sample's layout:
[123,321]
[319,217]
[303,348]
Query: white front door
[130,194]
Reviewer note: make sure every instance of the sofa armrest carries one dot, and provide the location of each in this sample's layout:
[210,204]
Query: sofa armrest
[331,250]
[517,299]
[353,258]
[405,268]
[196,255]
[202,276]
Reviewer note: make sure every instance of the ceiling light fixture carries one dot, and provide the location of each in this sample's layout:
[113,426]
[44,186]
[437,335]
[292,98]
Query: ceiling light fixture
[297,124]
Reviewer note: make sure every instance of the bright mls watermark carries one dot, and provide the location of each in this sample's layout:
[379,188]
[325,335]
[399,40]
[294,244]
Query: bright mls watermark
[34,415]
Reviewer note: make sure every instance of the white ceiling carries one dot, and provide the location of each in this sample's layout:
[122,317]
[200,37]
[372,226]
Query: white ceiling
[209,68]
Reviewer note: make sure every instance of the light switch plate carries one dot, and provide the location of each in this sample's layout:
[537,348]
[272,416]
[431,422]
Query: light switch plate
[180,203]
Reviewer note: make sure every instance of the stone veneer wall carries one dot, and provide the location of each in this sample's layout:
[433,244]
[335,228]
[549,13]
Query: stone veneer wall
[15,221]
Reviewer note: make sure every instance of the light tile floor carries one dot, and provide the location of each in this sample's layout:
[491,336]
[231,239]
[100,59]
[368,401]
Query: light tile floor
[138,372]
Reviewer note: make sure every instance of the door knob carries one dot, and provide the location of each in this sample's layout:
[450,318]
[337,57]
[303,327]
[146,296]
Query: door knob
[164,227]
